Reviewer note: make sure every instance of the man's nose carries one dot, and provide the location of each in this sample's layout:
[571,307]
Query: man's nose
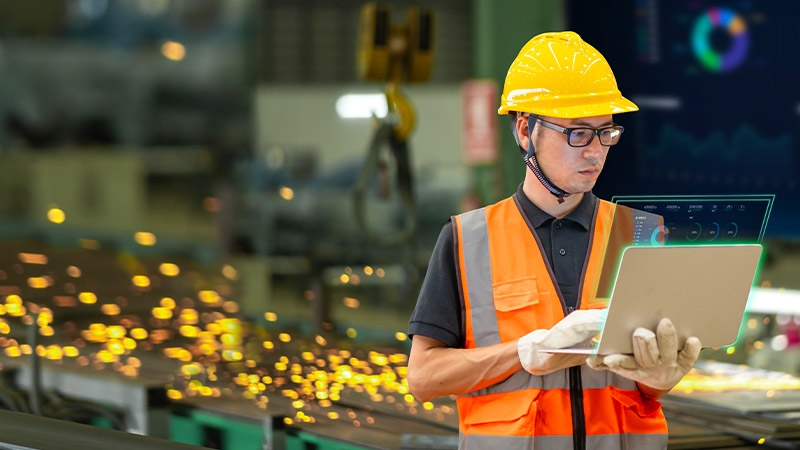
[595,149]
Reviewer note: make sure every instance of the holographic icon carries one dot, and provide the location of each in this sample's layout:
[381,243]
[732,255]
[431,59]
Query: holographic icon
[694,232]
[736,27]
[660,235]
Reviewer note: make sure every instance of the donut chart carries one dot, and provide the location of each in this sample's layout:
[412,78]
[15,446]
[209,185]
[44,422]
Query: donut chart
[736,28]
[731,230]
[660,235]
[712,231]
[694,232]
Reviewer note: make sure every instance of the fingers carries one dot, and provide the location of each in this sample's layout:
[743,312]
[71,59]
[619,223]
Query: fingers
[588,315]
[691,351]
[571,360]
[645,348]
[583,323]
[596,362]
[615,362]
[577,327]
[667,339]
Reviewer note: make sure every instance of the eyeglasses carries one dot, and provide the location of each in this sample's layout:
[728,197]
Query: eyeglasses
[583,136]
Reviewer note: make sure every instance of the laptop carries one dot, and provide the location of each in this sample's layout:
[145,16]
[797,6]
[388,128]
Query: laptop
[703,289]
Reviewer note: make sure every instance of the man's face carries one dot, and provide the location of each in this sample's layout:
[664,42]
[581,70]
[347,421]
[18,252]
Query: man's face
[573,169]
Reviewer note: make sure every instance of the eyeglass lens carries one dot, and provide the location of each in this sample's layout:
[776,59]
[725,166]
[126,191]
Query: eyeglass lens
[582,136]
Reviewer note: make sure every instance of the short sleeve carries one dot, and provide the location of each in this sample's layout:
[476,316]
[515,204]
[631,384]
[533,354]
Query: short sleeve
[437,314]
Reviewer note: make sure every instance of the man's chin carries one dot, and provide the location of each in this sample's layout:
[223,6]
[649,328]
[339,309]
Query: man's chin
[583,188]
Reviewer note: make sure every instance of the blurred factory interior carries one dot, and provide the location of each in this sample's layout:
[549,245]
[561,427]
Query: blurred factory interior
[209,238]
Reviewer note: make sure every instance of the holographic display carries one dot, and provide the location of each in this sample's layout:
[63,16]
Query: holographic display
[650,221]
[716,84]
[707,220]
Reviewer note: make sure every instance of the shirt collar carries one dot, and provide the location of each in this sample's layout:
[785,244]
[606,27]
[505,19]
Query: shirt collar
[583,214]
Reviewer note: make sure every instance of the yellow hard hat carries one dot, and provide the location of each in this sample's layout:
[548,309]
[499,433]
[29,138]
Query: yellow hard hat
[560,75]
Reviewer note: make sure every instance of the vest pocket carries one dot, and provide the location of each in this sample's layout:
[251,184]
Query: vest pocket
[512,295]
[638,415]
[520,307]
[506,414]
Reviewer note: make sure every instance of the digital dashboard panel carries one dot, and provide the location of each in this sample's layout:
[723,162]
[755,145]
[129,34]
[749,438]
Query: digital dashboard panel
[694,220]
[716,84]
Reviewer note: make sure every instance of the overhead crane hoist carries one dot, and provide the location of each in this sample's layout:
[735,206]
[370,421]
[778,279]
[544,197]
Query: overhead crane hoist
[392,54]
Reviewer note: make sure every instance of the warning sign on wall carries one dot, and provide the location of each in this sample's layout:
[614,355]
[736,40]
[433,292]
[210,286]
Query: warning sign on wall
[479,134]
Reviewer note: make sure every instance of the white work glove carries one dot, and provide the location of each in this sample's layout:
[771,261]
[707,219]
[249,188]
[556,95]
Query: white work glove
[656,361]
[577,329]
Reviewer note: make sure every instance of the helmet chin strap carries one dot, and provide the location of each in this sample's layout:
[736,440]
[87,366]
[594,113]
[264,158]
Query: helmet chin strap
[533,164]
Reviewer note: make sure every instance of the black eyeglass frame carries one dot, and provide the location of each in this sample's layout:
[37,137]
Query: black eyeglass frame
[595,132]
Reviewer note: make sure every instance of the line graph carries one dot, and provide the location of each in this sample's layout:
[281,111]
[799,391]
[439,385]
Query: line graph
[744,151]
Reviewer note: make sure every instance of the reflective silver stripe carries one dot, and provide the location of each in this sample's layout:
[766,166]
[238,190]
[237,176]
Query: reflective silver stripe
[522,380]
[590,378]
[598,379]
[627,441]
[593,442]
[478,266]
[636,441]
[482,442]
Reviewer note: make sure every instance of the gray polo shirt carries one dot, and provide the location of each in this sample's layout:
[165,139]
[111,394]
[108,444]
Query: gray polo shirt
[437,314]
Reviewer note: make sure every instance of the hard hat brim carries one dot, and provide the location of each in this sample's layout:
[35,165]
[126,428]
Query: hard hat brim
[618,105]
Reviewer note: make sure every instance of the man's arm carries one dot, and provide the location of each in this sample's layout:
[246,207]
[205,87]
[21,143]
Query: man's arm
[435,370]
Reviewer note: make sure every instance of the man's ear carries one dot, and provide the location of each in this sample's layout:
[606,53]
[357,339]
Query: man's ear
[522,131]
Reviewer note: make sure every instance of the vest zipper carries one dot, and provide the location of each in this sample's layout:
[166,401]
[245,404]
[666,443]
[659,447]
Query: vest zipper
[576,399]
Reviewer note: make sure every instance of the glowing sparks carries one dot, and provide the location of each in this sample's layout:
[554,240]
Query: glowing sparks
[162,313]
[198,330]
[145,238]
[169,269]
[56,216]
[351,302]
[32,258]
[209,297]
[139,333]
[174,51]
[39,282]
[88,298]
[230,272]
[286,193]
[110,309]
[141,281]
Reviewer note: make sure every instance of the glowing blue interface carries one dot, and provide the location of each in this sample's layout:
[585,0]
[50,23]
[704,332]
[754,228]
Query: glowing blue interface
[706,220]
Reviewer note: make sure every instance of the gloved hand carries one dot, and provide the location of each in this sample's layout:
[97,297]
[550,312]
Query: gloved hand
[579,327]
[656,361]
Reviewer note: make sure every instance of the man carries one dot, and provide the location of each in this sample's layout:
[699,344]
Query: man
[507,281]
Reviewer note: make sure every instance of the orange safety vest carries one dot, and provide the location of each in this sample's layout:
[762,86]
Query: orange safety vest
[508,290]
